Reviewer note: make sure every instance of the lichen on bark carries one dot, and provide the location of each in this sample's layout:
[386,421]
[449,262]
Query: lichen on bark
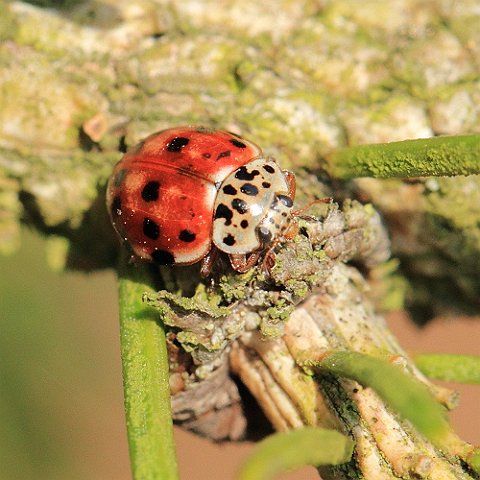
[241,330]
[84,80]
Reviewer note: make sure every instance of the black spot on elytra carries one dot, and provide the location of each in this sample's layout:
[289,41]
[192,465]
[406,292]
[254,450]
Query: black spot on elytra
[243,174]
[187,236]
[177,144]
[224,212]
[244,223]
[229,240]
[150,228]
[162,257]
[287,201]
[266,184]
[237,143]
[150,191]
[229,190]
[249,189]
[224,154]
[206,155]
[116,206]
[239,205]
[269,168]
[265,235]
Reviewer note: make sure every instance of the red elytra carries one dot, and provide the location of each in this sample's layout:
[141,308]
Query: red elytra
[161,194]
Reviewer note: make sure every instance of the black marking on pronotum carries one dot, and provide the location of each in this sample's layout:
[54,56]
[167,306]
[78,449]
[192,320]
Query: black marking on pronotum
[120,177]
[162,257]
[244,223]
[229,190]
[237,143]
[229,240]
[150,191]
[224,154]
[287,201]
[176,144]
[265,234]
[187,236]
[249,189]
[224,212]
[266,184]
[150,228]
[239,205]
[269,168]
[243,174]
[116,206]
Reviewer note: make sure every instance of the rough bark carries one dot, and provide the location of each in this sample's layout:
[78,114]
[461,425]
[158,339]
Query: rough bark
[312,303]
[83,81]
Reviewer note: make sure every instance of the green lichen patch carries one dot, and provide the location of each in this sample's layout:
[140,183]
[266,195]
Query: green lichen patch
[88,29]
[424,69]
[434,228]
[252,19]
[342,66]
[275,317]
[202,328]
[302,124]
[454,223]
[185,64]
[388,22]
[395,118]
[456,110]
[45,114]
[463,19]
[169,302]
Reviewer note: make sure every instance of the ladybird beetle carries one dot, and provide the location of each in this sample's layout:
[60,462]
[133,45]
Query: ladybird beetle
[183,194]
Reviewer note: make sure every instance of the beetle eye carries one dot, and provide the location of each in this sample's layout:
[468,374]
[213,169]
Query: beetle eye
[287,201]
[265,234]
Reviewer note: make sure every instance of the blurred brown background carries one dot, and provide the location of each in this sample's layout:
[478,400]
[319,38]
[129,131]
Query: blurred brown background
[61,411]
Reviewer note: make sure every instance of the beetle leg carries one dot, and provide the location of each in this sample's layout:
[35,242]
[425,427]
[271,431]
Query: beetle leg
[241,264]
[208,261]
[269,259]
[291,231]
[291,182]
[301,211]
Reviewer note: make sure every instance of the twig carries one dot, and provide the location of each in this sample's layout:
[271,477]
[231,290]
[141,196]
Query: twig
[145,380]
[440,156]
